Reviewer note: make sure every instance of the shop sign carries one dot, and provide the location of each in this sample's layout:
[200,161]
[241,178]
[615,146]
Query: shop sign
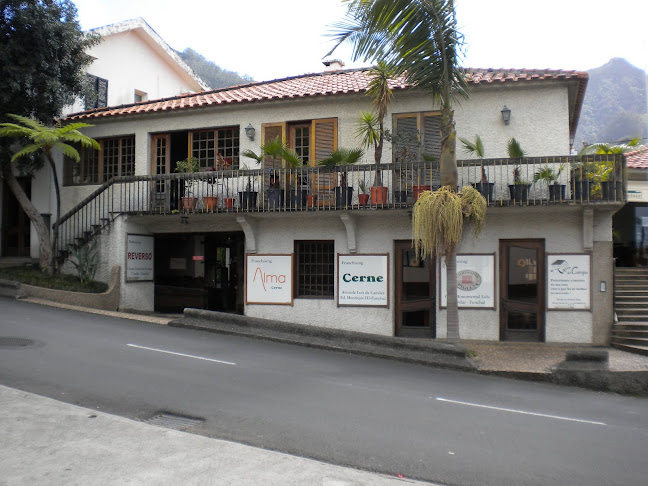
[475,281]
[268,279]
[139,258]
[363,280]
[568,281]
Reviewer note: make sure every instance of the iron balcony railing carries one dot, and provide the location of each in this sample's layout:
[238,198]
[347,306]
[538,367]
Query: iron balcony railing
[503,182]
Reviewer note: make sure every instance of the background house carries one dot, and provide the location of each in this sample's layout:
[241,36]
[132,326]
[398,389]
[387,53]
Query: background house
[132,63]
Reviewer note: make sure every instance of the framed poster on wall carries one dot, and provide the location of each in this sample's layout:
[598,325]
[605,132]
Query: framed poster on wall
[475,281]
[363,280]
[269,279]
[139,258]
[569,281]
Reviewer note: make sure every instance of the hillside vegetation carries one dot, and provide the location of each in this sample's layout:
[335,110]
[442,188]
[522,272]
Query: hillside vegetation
[614,108]
[210,72]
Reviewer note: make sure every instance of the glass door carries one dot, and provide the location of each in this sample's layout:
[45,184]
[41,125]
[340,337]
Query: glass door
[415,293]
[522,290]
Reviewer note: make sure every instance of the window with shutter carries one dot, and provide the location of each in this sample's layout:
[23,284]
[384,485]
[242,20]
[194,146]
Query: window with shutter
[415,135]
[97,97]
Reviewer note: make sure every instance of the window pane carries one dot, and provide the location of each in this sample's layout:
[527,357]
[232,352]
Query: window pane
[315,268]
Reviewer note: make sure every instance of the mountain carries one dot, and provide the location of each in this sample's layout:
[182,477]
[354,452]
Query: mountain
[211,73]
[614,108]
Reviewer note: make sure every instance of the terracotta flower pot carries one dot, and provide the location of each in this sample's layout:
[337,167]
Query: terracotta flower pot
[210,202]
[311,200]
[378,195]
[228,202]
[418,189]
[363,199]
[188,203]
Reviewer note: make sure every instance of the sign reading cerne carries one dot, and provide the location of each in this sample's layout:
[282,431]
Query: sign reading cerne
[362,280]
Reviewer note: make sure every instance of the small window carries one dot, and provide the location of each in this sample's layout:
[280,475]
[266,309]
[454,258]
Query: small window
[140,96]
[97,96]
[315,269]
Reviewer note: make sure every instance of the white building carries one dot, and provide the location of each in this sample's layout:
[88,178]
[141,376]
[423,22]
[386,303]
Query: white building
[542,270]
[132,63]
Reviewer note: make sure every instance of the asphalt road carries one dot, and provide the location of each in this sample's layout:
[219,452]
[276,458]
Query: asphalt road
[443,426]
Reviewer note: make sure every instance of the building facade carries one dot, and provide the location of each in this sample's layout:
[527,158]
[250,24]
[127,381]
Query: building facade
[301,244]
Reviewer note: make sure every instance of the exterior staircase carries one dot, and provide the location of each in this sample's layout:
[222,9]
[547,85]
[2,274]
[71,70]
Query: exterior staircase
[630,333]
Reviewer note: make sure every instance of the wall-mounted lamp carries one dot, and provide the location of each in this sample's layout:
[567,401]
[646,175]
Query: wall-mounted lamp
[506,115]
[249,132]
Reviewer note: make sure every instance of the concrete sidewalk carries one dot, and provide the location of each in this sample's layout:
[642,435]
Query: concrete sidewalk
[47,442]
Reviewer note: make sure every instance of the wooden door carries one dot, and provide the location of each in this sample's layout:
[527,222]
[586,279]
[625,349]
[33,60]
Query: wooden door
[415,302]
[522,290]
[161,165]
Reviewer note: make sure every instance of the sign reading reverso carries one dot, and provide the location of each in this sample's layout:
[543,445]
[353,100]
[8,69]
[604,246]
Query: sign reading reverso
[363,280]
[268,279]
[139,258]
[568,281]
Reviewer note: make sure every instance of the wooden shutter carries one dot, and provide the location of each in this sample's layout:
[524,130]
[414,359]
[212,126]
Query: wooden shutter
[323,143]
[270,131]
[431,145]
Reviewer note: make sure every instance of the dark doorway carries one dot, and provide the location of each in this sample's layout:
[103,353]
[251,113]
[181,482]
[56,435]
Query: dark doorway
[203,271]
[415,293]
[522,290]
[15,223]
[630,235]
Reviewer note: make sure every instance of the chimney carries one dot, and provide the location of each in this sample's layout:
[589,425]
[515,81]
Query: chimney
[333,65]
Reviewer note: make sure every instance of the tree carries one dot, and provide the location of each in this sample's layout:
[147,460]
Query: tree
[43,69]
[215,76]
[45,140]
[419,41]
[371,125]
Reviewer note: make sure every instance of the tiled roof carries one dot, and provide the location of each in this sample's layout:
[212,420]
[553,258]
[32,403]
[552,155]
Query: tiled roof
[310,85]
[637,159]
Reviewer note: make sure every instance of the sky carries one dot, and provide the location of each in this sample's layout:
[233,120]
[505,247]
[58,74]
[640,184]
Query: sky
[279,38]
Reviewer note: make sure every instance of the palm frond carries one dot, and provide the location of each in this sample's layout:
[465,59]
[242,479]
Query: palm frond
[514,149]
[28,150]
[67,150]
[367,129]
[473,148]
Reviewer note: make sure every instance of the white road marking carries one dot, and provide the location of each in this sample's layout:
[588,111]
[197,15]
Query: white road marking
[520,411]
[181,354]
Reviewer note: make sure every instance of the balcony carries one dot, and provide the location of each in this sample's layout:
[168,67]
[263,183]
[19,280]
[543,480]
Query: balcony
[538,181]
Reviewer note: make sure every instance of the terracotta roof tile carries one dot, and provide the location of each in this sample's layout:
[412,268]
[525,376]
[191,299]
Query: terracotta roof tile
[320,84]
[637,159]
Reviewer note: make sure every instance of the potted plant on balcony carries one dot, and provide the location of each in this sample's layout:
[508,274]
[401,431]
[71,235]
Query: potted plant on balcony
[274,191]
[276,149]
[519,190]
[551,178]
[581,174]
[341,158]
[363,195]
[370,127]
[476,148]
[189,165]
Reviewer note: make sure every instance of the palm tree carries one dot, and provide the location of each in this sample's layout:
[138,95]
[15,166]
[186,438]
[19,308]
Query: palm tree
[419,41]
[44,139]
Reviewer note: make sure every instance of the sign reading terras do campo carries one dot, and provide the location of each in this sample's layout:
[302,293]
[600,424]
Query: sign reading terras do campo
[268,279]
[139,258]
[363,280]
[568,281]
